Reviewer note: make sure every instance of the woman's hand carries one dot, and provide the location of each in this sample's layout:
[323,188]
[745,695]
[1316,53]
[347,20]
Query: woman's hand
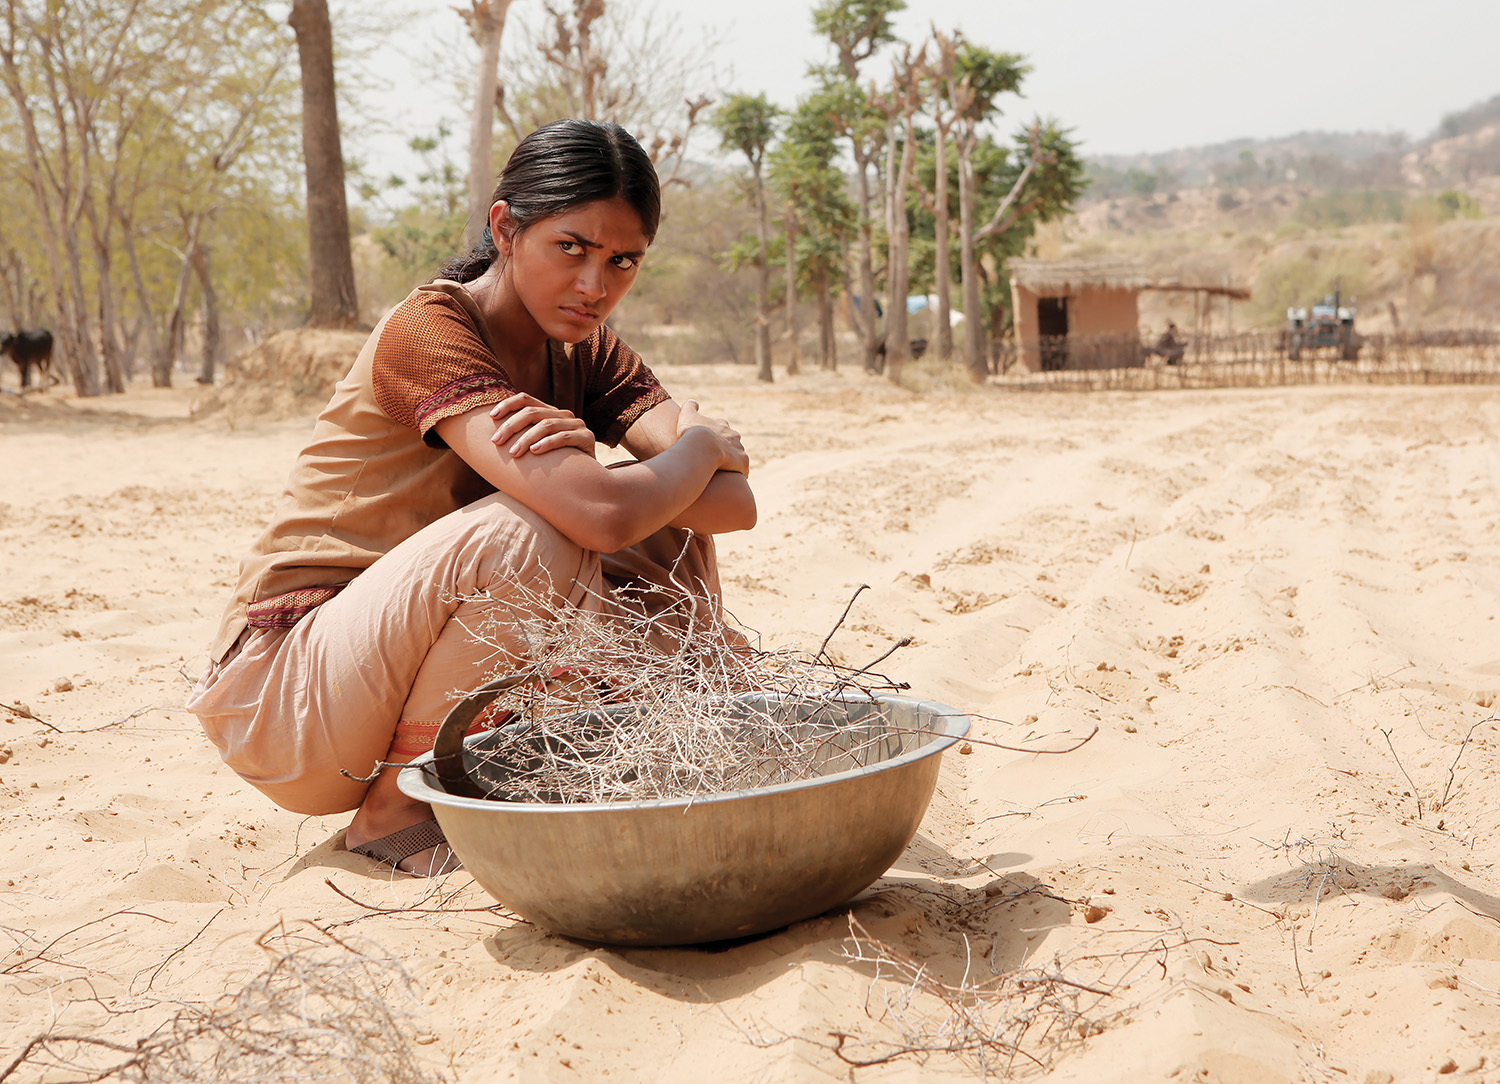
[732,452]
[530,425]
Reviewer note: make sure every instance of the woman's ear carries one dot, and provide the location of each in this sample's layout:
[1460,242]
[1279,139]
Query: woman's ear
[502,226]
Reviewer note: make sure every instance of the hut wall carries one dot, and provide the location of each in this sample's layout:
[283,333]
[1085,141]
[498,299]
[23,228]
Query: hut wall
[1102,327]
[1023,306]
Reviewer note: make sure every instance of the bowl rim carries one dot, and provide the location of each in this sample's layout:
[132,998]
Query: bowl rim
[413,783]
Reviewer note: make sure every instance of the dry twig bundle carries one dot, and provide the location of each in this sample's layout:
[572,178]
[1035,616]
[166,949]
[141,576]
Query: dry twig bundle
[642,703]
[991,1018]
[324,1010]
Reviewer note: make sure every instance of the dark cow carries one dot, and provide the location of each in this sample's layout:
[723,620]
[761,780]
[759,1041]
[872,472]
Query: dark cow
[28,348]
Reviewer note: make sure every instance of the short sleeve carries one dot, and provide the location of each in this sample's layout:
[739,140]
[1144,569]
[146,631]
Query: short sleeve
[619,387]
[431,364]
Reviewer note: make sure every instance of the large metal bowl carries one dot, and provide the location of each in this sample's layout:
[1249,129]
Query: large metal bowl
[686,871]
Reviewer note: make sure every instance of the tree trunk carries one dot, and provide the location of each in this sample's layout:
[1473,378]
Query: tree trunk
[109,343]
[177,321]
[210,314]
[793,361]
[968,265]
[589,67]
[331,264]
[58,221]
[116,368]
[943,263]
[763,275]
[866,268]
[75,314]
[897,338]
[828,353]
[159,363]
[486,22]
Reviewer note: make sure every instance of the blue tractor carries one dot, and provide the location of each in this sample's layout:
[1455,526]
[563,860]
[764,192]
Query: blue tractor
[1325,329]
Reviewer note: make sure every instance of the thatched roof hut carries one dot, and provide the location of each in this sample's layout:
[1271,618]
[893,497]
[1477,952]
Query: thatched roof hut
[1084,313]
[1053,278]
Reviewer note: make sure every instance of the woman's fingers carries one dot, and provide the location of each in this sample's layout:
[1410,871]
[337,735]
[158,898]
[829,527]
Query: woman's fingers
[518,421]
[515,401]
[526,424]
[550,433]
[738,459]
[733,456]
[536,441]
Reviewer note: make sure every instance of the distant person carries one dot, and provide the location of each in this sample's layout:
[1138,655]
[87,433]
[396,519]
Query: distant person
[1169,346]
[451,481]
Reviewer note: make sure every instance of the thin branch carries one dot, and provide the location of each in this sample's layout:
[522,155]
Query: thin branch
[823,647]
[1417,794]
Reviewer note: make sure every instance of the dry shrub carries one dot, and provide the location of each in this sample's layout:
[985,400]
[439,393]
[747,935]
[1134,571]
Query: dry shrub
[326,1009]
[999,1022]
[290,374]
[649,702]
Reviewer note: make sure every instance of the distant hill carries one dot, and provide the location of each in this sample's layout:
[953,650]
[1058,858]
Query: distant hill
[1408,229]
[1464,146]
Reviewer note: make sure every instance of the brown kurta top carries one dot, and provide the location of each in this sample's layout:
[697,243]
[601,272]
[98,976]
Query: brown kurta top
[376,471]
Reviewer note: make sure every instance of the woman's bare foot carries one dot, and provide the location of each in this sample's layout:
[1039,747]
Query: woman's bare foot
[386,810]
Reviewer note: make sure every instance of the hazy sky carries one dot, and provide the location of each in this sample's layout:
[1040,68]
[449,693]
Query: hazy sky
[1143,76]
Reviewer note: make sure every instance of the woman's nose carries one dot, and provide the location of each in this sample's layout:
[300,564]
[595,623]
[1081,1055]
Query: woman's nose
[590,284]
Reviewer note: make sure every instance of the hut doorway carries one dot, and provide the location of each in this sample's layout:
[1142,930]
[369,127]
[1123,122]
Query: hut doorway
[1052,327]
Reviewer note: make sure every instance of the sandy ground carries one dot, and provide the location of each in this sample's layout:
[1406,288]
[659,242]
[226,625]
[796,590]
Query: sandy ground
[1273,862]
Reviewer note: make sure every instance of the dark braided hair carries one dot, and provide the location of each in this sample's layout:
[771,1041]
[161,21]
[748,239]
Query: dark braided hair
[561,166]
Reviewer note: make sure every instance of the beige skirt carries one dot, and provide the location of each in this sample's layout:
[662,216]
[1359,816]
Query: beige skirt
[368,675]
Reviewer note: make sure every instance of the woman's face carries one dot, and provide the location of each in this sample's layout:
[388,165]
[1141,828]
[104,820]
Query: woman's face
[571,270]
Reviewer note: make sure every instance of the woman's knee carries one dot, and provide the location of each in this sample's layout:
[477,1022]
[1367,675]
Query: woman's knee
[521,547]
[313,796]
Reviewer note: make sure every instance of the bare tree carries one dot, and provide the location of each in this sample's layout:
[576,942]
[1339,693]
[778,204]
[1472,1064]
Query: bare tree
[747,123]
[977,77]
[55,98]
[486,21]
[856,29]
[133,114]
[900,106]
[815,216]
[585,60]
[940,71]
[333,302]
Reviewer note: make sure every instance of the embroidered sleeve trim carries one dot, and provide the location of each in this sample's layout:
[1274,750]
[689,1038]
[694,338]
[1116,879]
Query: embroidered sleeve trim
[458,397]
[285,610]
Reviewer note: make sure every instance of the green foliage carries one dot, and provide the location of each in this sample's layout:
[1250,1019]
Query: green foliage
[1051,193]
[1060,178]
[1451,205]
[1141,184]
[985,75]
[746,123]
[811,190]
[1348,207]
[856,28]
[427,227]
[186,114]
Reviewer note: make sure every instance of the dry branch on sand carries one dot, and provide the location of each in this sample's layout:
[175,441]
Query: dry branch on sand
[325,1009]
[996,1021]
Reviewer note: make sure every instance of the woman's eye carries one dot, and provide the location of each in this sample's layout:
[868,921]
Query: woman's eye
[626,263]
[570,247]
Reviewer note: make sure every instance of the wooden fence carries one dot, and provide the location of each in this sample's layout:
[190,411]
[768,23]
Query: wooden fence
[1258,359]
